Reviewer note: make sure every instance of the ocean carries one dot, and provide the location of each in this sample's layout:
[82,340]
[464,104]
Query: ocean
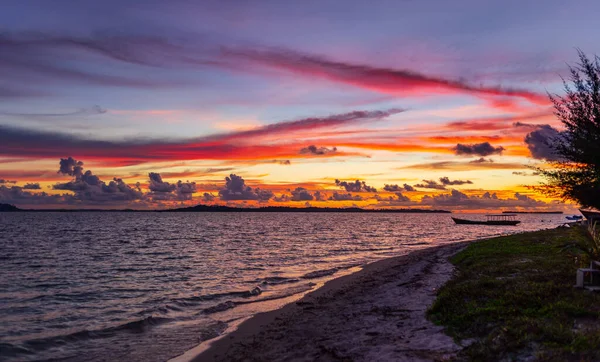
[127,286]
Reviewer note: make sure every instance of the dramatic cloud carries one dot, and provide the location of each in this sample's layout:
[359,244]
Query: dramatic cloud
[465,166]
[17,196]
[398,188]
[71,167]
[356,186]
[320,196]
[408,187]
[344,197]
[3,181]
[185,190]
[444,181]
[32,186]
[242,145]
[482,160]
[384,80]
[479,149]
[447,182]
[165,191]
[400,199]
[88,187]
[457,199]
[318,151]
[539,142]
[392,188]
[521,173]
[157,184]
[44,56]
[301,194]
[43,59]
[206,197]
[80,112]
[236,189]
[282,198]
[431,184]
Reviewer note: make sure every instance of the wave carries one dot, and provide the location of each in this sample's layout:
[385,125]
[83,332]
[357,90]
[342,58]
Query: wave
[136,326]
[229,304]
[319,273]
[278,280]
[208,297]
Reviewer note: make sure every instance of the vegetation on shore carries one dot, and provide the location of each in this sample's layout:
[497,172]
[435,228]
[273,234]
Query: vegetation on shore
[513,298]
[572,171]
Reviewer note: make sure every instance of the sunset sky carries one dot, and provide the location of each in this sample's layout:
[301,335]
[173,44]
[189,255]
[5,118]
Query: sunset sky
[428,104]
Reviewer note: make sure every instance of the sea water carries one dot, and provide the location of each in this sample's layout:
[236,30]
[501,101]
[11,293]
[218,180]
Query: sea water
[112,286]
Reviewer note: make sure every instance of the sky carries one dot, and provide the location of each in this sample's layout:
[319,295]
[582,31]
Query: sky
[380,104]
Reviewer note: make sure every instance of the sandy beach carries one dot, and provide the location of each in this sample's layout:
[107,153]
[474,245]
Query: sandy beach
[376,314]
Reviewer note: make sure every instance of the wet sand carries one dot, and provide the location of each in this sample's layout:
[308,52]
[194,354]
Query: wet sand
[376,314]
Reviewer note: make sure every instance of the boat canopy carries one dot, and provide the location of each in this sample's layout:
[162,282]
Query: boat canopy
[499,217]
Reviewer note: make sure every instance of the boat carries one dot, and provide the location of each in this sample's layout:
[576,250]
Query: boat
[501,219]
[590,214]
[574,217]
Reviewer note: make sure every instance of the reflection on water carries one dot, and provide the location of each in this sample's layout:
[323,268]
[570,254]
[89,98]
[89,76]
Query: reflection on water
[148,286]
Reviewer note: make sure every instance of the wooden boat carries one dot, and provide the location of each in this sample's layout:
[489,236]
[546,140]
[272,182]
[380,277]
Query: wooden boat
[502,220]
[590,214]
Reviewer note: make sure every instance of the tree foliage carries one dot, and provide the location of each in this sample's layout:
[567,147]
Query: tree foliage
[575,175]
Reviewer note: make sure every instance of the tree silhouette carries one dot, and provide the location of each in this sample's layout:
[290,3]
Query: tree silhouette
[575,173]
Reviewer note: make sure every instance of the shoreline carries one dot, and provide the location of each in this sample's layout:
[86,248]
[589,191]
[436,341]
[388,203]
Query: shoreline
[377,312]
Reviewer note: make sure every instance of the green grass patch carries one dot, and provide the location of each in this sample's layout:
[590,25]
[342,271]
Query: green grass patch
[513,298]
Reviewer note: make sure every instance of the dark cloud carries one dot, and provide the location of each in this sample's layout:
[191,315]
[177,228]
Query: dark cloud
[3,181]
[344,197]
[318,151]
[32,186]
[320,196]
[30,143]
[165,191]
[44,59]
[526,125]
[69,166]
[540,140]
[479,149]
[80,112]
[482,160]
[398,188]
[466,166]
[408,187]
[18,196]
[41,57]
[185,190]
[206,197]
[356,186]
[87,187]
[392,188]
[158,185]
[447,182]
[281,198]
[431,184]
[522,173]
[400,199]
[384,80]
[301,194]
[457,199]
[236,189]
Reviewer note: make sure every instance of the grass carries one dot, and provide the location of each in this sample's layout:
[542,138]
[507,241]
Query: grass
[512,298]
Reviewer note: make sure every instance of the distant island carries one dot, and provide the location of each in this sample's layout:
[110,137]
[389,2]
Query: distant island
[220,208]
[532,212]
[8,207]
